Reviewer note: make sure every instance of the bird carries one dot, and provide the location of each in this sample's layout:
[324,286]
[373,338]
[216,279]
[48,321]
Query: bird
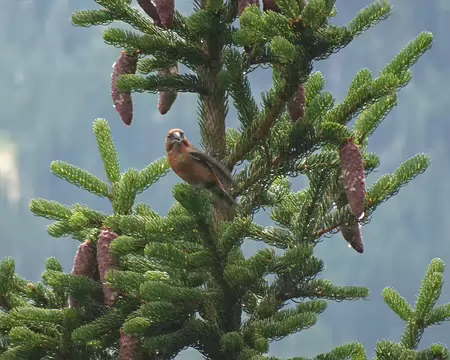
[195,167]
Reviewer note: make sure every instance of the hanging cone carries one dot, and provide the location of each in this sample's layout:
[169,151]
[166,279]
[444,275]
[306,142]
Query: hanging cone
[167,98]
[270,5]
[353,235]
[150,10]
[128,346]
[303,3]
[106,261]
[353,177]
[125,64]
[296,106]
[84,264]
[166,10]
[242,4]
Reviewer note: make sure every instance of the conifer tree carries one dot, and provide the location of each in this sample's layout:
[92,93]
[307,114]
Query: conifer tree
[147,286]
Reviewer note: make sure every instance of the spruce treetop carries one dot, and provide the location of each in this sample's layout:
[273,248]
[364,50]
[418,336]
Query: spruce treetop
[147,286]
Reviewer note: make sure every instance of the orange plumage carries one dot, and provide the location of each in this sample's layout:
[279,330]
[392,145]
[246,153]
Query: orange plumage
[196,167]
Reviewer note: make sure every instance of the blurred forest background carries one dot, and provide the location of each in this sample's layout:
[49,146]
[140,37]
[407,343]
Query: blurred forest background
[55,80]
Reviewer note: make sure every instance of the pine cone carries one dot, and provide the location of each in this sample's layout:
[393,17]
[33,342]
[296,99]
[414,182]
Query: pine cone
[354,177]
[242,4]
[167,98]
[150,10]
[84,264]
[166,10]
[128,346]
[303,3]
[125,64]
[353,235]
[106,261]
[296,106]
[270,5]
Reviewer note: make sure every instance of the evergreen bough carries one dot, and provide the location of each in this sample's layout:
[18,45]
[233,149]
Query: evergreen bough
[146,286]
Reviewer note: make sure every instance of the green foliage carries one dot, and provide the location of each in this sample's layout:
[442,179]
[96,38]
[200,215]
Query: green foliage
[50,209]
[400,65]
[107,150]
[80,178]
[162,46]
[182,280]
[92,18]
[370,16]
[371,118]
[239,88]
[81,222]
[155,83]
[352,351]
[389,185]
[417,320]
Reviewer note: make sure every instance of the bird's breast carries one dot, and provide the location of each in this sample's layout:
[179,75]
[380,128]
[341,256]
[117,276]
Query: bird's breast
[183,161]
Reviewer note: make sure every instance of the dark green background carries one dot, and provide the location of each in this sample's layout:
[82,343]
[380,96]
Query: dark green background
[55,80]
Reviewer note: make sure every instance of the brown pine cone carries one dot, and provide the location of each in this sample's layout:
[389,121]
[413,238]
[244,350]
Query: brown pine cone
[128,346]
[303,3]
[166,10]
[150,10]
[242,4]
[167,98]
[270,5]
[353,177]
[84,264]
[125,64]
[106,261]
[296,106]
[353,235]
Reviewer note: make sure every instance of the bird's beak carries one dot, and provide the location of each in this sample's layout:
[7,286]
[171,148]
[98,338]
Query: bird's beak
[176,136]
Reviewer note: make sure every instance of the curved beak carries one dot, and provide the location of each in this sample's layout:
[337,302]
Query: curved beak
[176,136]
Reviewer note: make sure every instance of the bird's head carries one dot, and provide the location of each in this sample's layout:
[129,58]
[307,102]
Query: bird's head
[175,137]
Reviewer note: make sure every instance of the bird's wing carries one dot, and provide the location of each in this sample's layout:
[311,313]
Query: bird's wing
[216,166]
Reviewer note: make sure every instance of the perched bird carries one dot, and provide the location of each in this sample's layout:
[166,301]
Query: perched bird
[195,167]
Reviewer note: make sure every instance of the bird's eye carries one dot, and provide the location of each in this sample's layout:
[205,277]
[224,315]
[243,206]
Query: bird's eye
[181,133]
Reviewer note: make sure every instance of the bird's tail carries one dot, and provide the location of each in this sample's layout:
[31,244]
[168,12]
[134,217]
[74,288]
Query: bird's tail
[223,194]
[227,197]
